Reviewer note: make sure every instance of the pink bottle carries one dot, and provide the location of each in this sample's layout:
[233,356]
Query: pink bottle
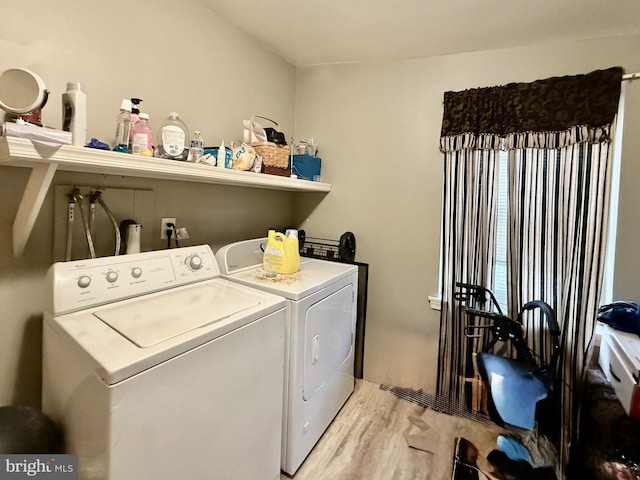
[141,137]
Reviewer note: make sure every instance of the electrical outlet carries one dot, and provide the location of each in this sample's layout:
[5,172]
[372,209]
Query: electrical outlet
[163,226]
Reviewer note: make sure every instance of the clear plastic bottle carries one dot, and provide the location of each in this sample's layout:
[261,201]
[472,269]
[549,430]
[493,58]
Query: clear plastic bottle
[197,146]
[173,137]
[141,137]
[123,127]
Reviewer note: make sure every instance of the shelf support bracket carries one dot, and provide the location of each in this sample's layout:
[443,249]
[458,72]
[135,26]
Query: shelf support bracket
[32,199]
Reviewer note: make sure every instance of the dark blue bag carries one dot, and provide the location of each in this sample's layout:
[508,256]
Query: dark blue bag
[623,316]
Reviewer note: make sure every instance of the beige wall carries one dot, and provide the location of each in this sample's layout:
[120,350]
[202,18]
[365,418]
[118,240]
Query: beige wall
[378,126]
[177,56]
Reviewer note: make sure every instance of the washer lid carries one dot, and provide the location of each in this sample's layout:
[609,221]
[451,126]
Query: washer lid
[150,321]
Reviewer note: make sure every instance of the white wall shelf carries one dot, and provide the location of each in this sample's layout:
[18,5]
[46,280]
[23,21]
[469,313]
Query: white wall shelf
[45,160]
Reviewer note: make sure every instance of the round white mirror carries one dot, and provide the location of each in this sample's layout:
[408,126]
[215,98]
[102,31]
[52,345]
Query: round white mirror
[22,91]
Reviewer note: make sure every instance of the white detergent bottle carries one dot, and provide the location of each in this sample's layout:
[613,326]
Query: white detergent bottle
[291,252]
[74,113]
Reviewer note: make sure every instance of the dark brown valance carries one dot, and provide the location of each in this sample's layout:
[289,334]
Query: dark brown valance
[552,112]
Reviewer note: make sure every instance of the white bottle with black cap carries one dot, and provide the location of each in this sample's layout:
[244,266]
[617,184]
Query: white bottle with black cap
[74,113]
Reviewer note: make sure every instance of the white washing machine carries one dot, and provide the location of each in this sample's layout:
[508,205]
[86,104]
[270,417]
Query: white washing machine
[320,339]
[157,368]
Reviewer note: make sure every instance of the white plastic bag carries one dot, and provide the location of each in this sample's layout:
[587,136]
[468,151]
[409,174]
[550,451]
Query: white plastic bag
[253,132]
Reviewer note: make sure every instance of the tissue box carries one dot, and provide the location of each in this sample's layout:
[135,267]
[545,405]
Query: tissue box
[306,166]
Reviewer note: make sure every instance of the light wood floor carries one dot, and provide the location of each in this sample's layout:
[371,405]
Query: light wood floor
[366,441]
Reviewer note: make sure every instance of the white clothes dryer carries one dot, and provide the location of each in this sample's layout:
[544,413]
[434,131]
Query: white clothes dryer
[322,299]
[157,368]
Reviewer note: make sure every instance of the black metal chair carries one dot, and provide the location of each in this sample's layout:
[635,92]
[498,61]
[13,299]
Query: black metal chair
[26,430]
[516,381]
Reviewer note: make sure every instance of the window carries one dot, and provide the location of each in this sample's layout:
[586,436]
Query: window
[609,263]
[500,280]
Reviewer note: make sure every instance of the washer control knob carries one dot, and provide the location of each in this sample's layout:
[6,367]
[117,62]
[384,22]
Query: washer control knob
[136,272]
[84,281]
[112,276]
[194,262]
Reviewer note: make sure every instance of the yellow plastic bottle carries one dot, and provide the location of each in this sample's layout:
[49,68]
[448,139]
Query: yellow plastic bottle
[273,257]
[281,254]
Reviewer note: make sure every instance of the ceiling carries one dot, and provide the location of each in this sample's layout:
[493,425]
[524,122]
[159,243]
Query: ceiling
[314,32]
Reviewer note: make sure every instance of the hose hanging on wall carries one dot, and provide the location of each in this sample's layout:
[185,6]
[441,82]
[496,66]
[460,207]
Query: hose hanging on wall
[85,224]
[97,196]
[70,220]
[92,212]
[75,199]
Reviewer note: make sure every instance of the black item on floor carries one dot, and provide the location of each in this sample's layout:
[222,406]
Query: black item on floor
[608,447]
[465,466]
[26,430]
[507,469]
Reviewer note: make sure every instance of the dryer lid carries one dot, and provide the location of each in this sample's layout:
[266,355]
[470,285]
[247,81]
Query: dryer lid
[313,276]
[149,321]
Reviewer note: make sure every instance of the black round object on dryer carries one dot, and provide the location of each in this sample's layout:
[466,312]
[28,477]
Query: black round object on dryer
[347,247]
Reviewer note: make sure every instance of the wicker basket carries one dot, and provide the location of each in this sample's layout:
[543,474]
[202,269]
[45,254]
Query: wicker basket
[273,155]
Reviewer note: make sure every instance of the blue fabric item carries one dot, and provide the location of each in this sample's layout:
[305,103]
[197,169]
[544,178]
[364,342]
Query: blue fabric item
[306,166]
[95,143]
[514,390]
[621,315]
[513,449]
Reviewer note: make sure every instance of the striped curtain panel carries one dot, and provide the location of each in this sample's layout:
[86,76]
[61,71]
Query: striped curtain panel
[557,132]
[469,245]
[558,217]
